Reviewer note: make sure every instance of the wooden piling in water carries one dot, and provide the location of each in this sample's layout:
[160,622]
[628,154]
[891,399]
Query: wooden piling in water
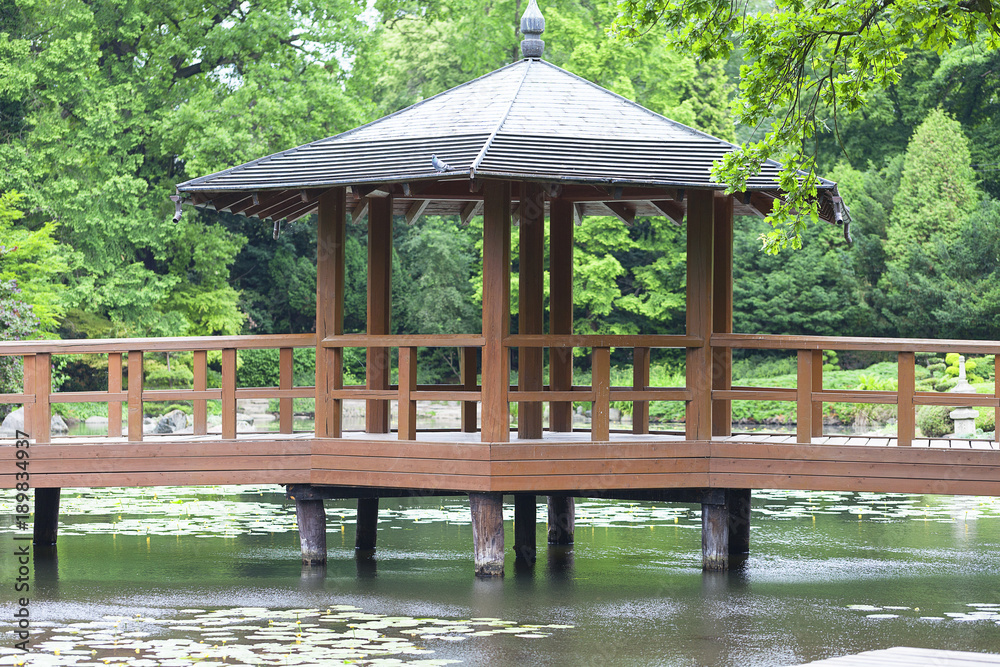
[738,507]
[524,527]
[714,537]
[487,533]
[562,518]
[367,524]
[311,517]
[46,516]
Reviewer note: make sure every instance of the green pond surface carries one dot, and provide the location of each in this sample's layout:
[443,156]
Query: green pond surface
[211,576]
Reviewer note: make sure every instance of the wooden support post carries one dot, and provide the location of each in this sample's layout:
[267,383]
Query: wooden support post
[229,393]
[41,430]
[46,516]
[600,410]
[808,380]
[487,530]
[561,231]
[407,385]
[366,528]
[28,389]
[906,419]
[531,307]
[379,309]
[738,507]
[311,517]
[115,387]
[286,375]
[331,239]
[135,396]
[714,537]
[200,370]
[562,519]
[700,229]
[722,312]
[469,369]
[524,527]
[640,382]
[496,311]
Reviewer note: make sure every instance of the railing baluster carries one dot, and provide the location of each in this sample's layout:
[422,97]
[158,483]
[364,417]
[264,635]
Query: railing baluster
[286,362]
[469,362]
[229,393]
[43,389]
[805,385]
[906,421]
[135,396]
[28,389]
[640,380]
[600,411]
[114,387]
[407,384]
[200,370]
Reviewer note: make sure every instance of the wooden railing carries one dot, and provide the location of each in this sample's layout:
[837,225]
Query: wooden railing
[809,394]
[37,396]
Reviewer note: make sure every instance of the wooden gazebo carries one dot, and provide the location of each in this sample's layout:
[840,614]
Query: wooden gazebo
[527,142]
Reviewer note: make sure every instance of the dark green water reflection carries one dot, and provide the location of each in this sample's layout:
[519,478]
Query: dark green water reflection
[829,574]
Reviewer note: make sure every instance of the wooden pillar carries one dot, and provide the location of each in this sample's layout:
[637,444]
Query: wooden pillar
[738,508]
[469,370]
[200,413]
[134,396]
[531,307]
[496,311]
[366,528]
[311,517]
[640,382]
[524,527]
[229,393]
[906,418]
[286,379]
[714,537]
[379,308]
[700,229]
[562,519]
[28,389]
[600,410]
[722,312]
[561,309]
[808,414]
[331,237]
[487,533]
[46,516]
[407,427]
[115,387]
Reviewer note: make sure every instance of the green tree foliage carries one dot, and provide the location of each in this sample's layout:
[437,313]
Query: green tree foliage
[120,101]
[807,62]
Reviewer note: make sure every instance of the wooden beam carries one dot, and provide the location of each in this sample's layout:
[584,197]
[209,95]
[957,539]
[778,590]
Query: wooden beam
[229,394]
[200,370]
[331,239]
[115,387]
[578,214]
[700,230]
[561,308]
[135,396]
[722,313]
[379,309]
[416,209]
[906,424]
[470,210]
[360,211]
[286,379]
[761,203]
[622,211]
[670,209]
[531,307]
[809,379]
[640,381]
[496,311]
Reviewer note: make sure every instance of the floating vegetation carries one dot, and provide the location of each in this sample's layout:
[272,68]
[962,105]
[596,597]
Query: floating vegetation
[876,507]
[339,634]
[974,611]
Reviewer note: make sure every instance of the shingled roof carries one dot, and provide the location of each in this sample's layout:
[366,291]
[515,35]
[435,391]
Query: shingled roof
[528,121]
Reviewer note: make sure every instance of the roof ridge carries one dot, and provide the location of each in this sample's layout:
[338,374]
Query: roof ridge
[289,151]
[503,119]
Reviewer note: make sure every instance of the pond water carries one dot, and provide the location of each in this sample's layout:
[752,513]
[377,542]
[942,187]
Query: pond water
[211,575]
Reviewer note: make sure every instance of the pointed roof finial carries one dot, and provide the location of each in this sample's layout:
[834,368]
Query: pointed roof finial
[532,27]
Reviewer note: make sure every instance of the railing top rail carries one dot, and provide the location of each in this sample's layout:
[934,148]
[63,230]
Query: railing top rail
[602,340]
[769,342]
[99,345]
[405,340]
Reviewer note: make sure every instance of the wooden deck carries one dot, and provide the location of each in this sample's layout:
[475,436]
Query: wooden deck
[903,656]
[558,462]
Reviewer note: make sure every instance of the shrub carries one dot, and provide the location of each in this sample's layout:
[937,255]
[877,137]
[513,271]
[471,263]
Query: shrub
[986,421]
[934,422]
[951,358]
